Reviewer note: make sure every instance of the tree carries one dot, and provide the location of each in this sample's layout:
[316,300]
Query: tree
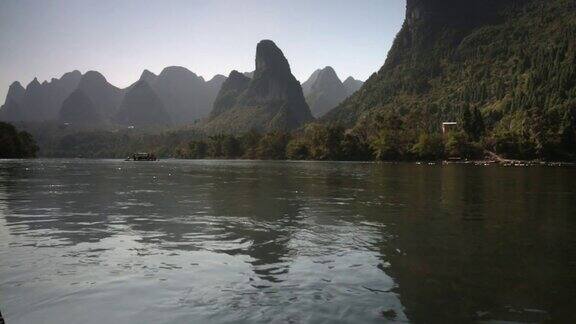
[273,146]
[297,150]
[249,144]
[387,145]
[29,147]
[478,126]
[429,147]
[457,144]
[389,141]
[514,145]
[231,147]
[325,141]
[568,130]
[215,143]
[197,150]
[14,144]
[473,123]
[355,147]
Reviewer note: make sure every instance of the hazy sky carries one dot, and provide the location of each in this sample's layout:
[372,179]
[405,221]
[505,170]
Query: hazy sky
[120,38]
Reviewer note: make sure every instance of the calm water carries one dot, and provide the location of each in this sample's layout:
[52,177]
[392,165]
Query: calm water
[96,241]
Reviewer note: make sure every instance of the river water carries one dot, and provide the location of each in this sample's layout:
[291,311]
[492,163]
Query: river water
[105,241]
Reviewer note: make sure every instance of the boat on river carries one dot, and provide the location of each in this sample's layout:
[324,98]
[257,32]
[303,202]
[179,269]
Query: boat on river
[142,157]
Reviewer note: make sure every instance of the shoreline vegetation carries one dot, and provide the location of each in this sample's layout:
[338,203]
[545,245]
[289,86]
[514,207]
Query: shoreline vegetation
[506,88]
[387,137]
[16,144]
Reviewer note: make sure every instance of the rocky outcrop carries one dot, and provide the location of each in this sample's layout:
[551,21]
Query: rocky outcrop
[183,94]
[78,110]
[11,110]
[324,91]
[425,47]
[33,102]
[273,99]
[105,97]
[148,76]
[447,13]
[186,96]
[16,93]
[39,101]
[352,85]
[212,89]
[141,107]
[232,88]
[57,90]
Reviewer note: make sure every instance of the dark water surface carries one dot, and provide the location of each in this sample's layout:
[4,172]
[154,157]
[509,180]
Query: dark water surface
[101,241]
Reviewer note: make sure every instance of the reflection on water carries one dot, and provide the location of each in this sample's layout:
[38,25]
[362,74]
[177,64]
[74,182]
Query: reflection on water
[182,241]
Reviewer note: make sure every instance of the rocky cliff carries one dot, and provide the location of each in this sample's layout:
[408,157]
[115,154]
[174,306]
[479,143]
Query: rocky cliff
[39,101]
[105,96]
[229,93]
[324,90]
[273,99]
[352,85]
[460,44]
[11,110]
[141,107]
[185,96]
[79,111]
[512,60]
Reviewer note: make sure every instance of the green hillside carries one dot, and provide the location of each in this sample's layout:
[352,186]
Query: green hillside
[514,61]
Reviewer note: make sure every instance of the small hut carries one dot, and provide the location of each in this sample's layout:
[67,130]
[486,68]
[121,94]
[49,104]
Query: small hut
[448,127]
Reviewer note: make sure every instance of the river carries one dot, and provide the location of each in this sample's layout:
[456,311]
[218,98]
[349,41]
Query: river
[107,241]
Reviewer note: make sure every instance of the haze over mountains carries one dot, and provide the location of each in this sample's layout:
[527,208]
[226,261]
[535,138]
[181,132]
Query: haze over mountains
[39,101]
[178,96]
[449,57]
[324,90]
[141,106]
[510,63]
[104,96]
[185,97]
[78,109]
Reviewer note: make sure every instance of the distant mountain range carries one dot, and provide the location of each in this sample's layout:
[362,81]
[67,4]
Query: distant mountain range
[141,106]
[179,97]
[38,101]
[503,70]
[176,96]
[186,96]
[324,90]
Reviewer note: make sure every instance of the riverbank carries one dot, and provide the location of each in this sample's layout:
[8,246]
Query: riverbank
[482,162]
[491,158]
[512,163]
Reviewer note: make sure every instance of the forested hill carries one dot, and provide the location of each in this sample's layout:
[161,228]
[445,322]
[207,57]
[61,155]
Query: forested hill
[512,60]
